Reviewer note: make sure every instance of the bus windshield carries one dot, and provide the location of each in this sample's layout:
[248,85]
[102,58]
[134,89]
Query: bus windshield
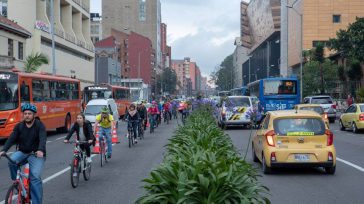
[9,95]
[280,87]
[99,94]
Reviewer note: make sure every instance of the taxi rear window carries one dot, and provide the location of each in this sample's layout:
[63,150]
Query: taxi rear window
[318,110]
[299,126]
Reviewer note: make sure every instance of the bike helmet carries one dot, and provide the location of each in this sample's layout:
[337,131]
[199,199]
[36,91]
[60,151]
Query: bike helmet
[29,106]
[104,109]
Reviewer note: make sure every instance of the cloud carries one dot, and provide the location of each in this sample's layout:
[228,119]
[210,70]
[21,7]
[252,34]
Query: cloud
[203,30]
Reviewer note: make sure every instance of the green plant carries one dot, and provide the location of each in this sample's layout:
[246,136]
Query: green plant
[34,61]
[202,166]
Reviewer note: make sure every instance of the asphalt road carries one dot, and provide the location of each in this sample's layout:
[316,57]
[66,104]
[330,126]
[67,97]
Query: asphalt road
[312,185]
[119,181]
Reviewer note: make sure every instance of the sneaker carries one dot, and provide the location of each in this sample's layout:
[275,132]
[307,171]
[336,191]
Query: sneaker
[88,160]
[136,141]
[109,156]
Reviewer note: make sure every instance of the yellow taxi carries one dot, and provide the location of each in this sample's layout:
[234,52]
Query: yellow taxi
[314,107]
[294,138]
[353,118]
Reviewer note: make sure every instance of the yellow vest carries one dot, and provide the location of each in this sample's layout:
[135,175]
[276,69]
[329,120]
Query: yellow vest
[104,122]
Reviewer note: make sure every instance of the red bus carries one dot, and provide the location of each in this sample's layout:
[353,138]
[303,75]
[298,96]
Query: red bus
[58,99]
[120,94]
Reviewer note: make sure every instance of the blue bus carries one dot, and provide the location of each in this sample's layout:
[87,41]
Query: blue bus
[242,91]
[276,93]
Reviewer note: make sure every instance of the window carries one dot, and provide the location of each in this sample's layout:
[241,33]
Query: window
[321,100]
[46,91]
[20,51]
[10,48]
[336,18]
[324,43]
[37,90]
[299,126]
[280,87]
[142,10]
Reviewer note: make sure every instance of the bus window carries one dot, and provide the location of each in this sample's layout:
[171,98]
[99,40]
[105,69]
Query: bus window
[24,92]
[280,87]
[53,88]
[37,90]
[46,91]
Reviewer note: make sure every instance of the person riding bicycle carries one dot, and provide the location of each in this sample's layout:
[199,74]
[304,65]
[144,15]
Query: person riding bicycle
[83,129]
[166,110]
[105,121]
[30,136]
[153,111]
[142,110]
[133,118]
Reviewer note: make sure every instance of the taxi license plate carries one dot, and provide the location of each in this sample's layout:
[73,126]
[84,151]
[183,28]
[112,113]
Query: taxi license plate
[302,157]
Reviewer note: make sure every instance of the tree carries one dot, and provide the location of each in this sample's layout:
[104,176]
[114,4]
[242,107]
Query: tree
[167,81]
[224,74]
[34,61]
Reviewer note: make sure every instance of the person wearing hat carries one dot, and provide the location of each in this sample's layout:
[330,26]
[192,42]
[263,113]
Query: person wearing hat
[30,137]
[105,121]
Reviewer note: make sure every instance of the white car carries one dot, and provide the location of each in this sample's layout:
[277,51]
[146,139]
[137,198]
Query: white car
[234,110]
[326,103]
[94,106]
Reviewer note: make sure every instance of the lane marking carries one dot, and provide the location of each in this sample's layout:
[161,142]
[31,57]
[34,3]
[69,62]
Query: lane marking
[350,164]
[56,174]
[49,141]
[61,138]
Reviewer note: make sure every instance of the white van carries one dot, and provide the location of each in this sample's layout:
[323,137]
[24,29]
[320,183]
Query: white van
[94,106]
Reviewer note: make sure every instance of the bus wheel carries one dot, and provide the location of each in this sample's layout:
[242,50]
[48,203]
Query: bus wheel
[67,125]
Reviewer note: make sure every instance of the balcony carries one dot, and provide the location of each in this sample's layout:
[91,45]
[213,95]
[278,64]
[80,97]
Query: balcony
[6,62]
[83,5]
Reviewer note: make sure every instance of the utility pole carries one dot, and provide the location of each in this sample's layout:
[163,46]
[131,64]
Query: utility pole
[53,43]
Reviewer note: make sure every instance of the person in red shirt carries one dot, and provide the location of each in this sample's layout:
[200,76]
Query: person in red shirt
[153,111]
[167,111]
[350,100]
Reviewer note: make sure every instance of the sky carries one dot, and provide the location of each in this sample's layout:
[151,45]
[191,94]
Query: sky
[203,30]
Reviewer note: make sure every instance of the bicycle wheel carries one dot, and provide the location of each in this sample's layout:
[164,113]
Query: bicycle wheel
[13,195]
[75,173]
[102,153]
[86,170]
[130,138]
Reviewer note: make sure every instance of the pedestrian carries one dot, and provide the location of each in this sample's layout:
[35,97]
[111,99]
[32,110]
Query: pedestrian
[30,136]
[349,100]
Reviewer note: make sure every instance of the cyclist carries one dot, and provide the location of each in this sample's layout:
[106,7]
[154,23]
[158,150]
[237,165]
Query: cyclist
[83,129]
[166,111]
[30,137]
[105,120]
[133,118]
[153,112]
[142,110]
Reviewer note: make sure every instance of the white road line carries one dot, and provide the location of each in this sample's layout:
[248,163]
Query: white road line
[56,174]
[49,141]
[61,138]
[350,164]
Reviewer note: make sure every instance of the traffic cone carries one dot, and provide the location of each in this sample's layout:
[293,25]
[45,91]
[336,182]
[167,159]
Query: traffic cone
[96,149]
[114,138]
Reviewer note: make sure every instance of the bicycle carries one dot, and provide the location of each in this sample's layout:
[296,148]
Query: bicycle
[166,116]
[152,124]
[130,134]
[141,129]
[103,152]
[79,164]
[19,191]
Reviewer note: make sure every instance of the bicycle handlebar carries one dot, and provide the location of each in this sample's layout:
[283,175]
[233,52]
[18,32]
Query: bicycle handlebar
[13,162]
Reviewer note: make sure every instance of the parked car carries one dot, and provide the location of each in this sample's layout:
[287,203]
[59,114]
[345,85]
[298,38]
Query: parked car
[326,103]
[353,118]
[293,138]
[94,106]
[316,108]
[234,110]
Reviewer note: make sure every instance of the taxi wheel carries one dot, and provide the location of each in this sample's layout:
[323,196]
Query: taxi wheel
[330,170]
[342,127]
[355,129]
[265,168]
[255,158]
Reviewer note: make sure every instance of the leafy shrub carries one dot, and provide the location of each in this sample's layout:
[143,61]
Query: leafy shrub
[202,166]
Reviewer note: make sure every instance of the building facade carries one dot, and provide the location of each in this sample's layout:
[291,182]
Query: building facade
[74,51]
[96,27]
[140,16]
[107,64]
[240,56]
[188,76]
[13,44]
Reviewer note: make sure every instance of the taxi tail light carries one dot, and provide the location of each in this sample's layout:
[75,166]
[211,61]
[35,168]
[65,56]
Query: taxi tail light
[325,115]
[361,117]
[333,106]
[330,157]
[330,137]
[269,136]
[273,157]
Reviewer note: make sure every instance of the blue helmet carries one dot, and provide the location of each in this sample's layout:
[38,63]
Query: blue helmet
[29,106]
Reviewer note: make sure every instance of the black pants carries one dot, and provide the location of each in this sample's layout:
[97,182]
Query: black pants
[86,148]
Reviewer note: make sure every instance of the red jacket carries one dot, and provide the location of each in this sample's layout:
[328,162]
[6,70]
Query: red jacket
[153,110]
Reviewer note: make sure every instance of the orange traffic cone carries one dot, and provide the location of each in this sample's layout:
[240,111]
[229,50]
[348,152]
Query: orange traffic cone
[114,138]
[96,149]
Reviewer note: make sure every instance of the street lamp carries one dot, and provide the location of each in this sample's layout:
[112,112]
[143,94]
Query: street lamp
[52,34]
[301,48]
